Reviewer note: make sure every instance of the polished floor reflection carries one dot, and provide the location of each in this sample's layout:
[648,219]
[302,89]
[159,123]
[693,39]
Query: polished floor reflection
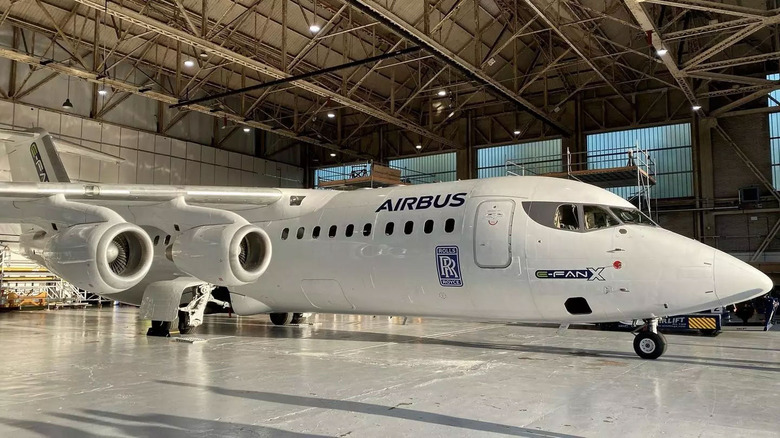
[92,373]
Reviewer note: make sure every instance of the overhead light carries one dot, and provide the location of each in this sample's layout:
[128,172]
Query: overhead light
[696,107]
[331,114]
[419,146]
[204,55]
[189,63]
[102,91]
[247,129]
[314,28]
[442,93]
[332,154]
[67,104]
[661,52]
[516,132]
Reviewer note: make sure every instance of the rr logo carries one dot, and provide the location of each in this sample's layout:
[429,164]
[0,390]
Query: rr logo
[448,266]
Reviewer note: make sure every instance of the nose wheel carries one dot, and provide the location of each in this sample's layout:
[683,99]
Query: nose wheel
[648,343]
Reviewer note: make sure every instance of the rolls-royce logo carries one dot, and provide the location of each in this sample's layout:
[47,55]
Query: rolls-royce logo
[38,161]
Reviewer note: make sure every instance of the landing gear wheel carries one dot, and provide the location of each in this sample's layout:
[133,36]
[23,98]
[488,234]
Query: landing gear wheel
[184,324]
[281,318]
[297,318]
[649,345]
[160,329]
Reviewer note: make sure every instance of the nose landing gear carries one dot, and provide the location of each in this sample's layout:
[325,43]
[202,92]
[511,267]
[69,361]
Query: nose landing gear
[648,343]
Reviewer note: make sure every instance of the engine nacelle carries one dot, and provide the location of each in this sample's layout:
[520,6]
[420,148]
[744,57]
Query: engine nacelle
[101,258]
[223,255]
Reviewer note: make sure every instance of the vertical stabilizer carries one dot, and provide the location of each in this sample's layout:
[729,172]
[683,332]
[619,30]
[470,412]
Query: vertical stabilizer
[33,157]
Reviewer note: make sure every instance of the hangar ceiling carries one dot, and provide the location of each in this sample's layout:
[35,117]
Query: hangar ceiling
[487,72]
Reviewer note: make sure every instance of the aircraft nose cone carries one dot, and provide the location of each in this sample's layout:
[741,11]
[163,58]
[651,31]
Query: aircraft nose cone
[737,281]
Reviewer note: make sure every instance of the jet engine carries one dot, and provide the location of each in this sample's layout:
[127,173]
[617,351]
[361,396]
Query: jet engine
[223,255]
[102,258]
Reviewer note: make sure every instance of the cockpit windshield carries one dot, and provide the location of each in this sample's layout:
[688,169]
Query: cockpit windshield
[632,216]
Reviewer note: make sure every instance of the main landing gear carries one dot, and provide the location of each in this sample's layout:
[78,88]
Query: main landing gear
[648,343]
[287,318]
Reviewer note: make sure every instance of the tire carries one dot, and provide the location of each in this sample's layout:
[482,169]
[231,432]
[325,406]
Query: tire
[184,324]
[709,332]
[159,329]
[281,318]
[297,318]
[649,345]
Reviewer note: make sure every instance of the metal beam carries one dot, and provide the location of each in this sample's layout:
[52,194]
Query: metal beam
[299,77]
[209,47]
[646,23]
[407,30]
[159,96]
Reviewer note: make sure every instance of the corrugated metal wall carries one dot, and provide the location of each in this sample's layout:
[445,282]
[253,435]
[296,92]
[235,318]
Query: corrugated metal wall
[774,133]
[534,158]
[427,169]
[669,147]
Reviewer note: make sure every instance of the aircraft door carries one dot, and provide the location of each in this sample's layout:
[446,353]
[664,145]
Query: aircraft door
[493,233]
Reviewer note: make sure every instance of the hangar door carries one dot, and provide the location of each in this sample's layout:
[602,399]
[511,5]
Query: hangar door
[493,233]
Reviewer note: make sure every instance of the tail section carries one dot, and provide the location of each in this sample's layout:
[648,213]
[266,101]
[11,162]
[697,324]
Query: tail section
[33,156]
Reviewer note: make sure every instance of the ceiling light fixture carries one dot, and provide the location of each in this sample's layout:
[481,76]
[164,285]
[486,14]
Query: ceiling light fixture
[516,132]
[247,129]
[332,154]
[696,107]
[314,28]
[331,114]
[67,104]
[204,55]
[442,93]
[662,51]
[189,63]
[419,146]
[102,91]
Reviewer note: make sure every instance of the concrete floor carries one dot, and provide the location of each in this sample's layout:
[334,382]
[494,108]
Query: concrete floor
[90,373]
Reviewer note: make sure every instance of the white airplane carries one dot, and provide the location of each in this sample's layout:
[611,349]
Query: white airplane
[530,249]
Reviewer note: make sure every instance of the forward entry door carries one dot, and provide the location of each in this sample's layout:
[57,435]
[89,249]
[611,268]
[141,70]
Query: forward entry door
[493,234]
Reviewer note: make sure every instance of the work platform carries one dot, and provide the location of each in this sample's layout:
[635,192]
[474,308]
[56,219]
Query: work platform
[612,177]
[365,175]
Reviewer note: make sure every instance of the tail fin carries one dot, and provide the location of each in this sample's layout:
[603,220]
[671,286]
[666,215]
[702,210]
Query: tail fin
[33,157]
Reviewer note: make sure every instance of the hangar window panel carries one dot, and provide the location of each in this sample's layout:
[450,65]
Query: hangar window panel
[530,158]
[332,173]
[669,147]
[426,169]
[774,133]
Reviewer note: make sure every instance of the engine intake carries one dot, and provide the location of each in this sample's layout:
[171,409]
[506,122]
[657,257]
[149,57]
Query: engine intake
[102,258]
[223,255]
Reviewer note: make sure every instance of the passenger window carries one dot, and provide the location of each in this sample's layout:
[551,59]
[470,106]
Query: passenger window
[301,231]
[408,227]
[428,226]
[367,230]
[285,233]
[597,217]
[315,233]
[566,217]
[350,230]
[156,240]
[449,226]
[332,231]
[389,228]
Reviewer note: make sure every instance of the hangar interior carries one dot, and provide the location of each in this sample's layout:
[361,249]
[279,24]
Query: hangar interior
[289,93]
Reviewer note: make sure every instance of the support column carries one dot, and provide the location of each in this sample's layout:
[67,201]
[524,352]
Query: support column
[465,158]
[704,187]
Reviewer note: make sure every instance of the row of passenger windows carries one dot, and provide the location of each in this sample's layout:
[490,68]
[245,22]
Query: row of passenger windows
[349,231]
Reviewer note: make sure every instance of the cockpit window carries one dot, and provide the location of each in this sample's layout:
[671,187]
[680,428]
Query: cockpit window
[566,217]
[597,217]
[631,216]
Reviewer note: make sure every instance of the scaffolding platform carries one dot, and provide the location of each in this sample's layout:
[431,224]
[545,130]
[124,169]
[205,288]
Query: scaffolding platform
[368,175]
[608,178]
